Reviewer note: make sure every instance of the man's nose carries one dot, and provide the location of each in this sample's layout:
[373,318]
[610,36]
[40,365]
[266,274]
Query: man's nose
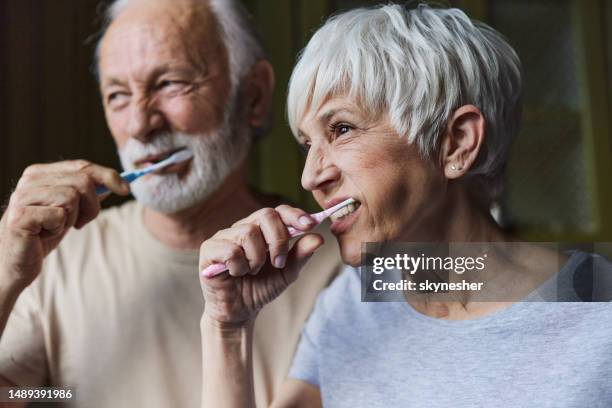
[320,173]
[145,120]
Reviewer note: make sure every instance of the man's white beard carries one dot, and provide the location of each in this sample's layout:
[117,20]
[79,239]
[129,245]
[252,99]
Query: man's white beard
[215,155]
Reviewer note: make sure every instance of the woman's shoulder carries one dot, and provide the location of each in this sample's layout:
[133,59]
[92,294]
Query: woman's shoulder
[340,309]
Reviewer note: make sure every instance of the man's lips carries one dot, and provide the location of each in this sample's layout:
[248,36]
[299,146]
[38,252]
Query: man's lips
[155,158]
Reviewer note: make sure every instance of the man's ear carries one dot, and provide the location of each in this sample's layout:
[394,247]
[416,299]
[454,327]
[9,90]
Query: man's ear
[259,92]
[464,137]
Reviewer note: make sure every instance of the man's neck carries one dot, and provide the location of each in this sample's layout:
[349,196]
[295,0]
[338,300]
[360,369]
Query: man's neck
[188,229]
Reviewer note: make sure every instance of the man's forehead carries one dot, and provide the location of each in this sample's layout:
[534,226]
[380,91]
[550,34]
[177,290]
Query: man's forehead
[159,29]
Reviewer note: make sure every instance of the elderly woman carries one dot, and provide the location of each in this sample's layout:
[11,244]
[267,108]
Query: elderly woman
[410,112]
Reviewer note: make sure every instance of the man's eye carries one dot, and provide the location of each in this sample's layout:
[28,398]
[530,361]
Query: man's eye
[171,85]
[116,97]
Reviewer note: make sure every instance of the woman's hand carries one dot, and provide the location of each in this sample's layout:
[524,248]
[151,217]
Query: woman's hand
[261,266]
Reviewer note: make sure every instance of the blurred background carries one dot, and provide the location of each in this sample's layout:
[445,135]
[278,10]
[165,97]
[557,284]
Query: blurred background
[560,172]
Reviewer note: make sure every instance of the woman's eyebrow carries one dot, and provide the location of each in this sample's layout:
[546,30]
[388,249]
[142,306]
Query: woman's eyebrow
[301,135]
[325,117]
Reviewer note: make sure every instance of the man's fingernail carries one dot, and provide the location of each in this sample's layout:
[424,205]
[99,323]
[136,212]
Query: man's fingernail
[304,220]
[279,261]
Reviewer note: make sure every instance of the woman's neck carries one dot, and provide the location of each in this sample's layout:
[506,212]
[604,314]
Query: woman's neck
[461,220]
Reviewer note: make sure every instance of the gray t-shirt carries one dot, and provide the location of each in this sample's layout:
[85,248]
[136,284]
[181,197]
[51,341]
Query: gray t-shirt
[532,354]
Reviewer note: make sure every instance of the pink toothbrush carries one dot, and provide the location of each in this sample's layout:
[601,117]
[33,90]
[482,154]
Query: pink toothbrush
[218,268]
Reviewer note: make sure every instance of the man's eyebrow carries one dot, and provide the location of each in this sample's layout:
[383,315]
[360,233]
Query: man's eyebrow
[157,72]
[112,81]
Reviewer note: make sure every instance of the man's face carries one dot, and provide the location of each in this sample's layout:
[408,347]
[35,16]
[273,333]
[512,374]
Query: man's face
[165,85]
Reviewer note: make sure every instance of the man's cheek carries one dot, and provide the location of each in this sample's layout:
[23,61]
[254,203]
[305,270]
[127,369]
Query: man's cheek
[189,115]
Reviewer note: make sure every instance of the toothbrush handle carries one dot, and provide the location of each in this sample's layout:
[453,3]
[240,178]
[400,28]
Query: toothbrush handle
[218,268]
[129,177]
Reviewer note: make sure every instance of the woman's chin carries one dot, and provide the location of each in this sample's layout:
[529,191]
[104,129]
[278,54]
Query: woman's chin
[351,254]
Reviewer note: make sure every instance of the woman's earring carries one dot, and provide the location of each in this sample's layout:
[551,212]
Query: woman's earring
[457,168]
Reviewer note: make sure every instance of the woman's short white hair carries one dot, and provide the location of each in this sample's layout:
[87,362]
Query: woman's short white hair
[239,37]
[418,66]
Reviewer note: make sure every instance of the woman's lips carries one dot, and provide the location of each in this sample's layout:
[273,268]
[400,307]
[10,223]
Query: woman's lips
[344,223]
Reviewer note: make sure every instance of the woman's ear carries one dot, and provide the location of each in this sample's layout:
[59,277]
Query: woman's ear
[464,137]
[259,92]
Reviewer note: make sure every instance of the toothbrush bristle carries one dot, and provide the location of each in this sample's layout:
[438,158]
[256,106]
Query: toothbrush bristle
[182,155]
[341,205]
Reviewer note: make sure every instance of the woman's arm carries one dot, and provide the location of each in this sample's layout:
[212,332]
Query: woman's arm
[261,265]
[227,361]
[227,380]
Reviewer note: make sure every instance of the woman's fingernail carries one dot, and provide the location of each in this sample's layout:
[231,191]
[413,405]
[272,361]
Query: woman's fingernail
[304,220]
[279,261]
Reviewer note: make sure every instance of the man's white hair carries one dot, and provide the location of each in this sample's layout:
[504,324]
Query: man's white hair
[241,43]
[418,66]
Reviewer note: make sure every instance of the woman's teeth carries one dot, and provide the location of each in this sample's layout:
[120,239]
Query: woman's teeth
[344,211]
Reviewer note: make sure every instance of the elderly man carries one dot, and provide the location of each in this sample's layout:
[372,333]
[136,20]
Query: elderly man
[115,310]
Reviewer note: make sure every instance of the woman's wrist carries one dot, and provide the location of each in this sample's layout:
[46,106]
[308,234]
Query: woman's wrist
[225,329]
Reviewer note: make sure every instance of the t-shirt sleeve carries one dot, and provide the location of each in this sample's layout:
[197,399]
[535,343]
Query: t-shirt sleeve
[22,351]
[316,338]
[306,362]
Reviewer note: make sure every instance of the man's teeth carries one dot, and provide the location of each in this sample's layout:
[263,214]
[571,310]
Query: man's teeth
[344,211]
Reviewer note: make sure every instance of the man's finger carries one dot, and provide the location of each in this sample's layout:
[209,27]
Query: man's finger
[101,175]
[32,220]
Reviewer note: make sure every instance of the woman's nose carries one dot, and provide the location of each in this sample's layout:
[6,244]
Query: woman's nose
[319,170]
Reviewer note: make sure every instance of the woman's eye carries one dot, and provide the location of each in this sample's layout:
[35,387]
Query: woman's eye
[304,148]
[341,129]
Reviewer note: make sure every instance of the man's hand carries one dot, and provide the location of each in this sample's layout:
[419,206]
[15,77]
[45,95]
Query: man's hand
[261,267]
[48,201]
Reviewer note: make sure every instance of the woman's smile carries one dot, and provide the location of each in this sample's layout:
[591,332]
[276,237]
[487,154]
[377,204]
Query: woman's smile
[343,219]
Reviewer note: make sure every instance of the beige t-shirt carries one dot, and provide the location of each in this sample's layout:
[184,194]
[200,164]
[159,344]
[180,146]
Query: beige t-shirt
[116,315]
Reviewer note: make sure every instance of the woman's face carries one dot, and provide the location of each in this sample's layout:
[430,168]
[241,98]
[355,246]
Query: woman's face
[351,154]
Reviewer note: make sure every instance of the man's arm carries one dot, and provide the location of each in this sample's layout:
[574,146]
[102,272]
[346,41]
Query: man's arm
[6,383]
[10,289]
[48,201]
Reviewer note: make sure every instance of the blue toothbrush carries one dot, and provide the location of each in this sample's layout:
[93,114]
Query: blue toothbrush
[129,176]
